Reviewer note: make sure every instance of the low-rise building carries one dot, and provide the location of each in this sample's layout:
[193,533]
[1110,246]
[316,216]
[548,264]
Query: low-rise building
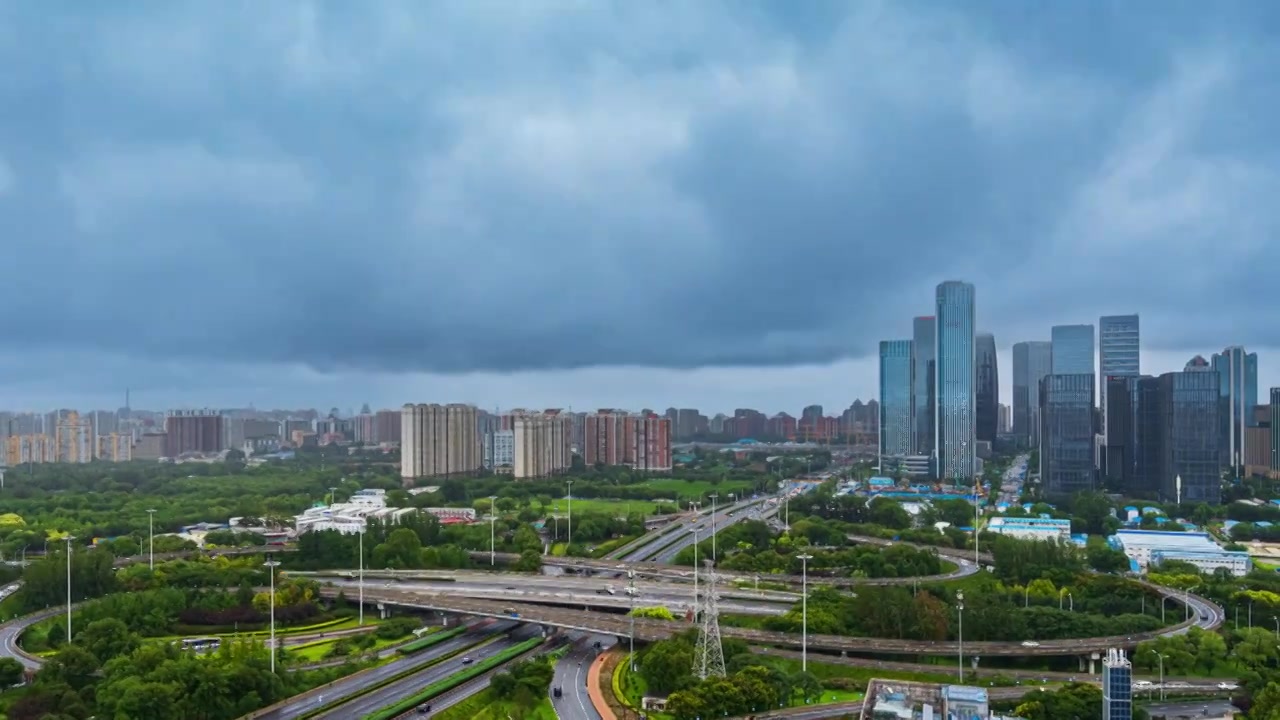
[352,516]
[1032,528]
[1152,547]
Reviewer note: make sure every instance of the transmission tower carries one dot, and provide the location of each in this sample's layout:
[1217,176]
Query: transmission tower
[708,659]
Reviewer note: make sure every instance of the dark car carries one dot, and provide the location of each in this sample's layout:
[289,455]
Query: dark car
[557,692]
[424,709]
[466,661]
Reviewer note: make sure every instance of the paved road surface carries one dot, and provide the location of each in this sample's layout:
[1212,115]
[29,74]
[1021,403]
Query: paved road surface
[352,683]
[12,630]
[1193,709]
[682,527]
[571,678]
[406,687]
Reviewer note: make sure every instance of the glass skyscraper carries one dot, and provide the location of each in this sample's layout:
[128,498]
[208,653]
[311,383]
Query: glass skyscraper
[1072,350]
[924,395]
[988,390]
[895,398]
[1117,686]
[1178,436]
[1031,361]
[1275,428]
[1066,440]
[1118,354]
[1238,396]
[954,440]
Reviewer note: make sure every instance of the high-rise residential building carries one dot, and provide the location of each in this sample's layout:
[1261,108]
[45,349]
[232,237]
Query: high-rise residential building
[783,425]
[1238,395]
[1117,686]
[115,447]
[1004,420]
[1072,350]
[364,429]
[1031,363]
[637,440]
[1274,412]
[541,444]
[1067,434]
[954,441]
[439,441]
[924,400]
[386,426]
[988,390]
[499,452]
[193,431]
[74,439]
[1178,436]
[1118,354]
[895,398]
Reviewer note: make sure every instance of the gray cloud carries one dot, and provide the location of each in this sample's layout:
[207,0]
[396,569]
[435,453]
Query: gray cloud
[445,187]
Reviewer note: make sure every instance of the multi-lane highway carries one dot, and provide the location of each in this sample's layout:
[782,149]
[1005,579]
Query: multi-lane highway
[679,534]
[348,686]
[406,687]
[570,677]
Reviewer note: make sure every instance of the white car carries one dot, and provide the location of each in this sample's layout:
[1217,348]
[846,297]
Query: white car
[1030,643]
[1142,683]
[1227,686]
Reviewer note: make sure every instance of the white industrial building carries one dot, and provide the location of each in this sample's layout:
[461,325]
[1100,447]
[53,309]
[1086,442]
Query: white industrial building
[1152,547]
[1032,528]
[351,516]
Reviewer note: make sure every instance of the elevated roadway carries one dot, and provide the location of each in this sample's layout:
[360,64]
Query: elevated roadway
[651,630]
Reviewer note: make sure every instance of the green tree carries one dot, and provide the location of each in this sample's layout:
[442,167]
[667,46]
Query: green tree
[11,672]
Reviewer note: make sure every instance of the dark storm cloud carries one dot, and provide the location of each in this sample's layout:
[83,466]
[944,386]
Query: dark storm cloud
[510,185]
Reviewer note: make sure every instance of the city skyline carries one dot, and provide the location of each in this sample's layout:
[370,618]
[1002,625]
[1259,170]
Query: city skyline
[264,222]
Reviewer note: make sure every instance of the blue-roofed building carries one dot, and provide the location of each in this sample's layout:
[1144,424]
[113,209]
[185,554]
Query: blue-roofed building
[963,701]
[1276,503]
[1152,547]
[1041,528]
[1262,523]
[880,481]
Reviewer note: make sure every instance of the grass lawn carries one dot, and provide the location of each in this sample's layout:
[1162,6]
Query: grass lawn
[697,489]
[614,507]
[482,706]
[318,651]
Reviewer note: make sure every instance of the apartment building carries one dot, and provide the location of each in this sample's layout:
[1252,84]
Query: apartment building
[439,441]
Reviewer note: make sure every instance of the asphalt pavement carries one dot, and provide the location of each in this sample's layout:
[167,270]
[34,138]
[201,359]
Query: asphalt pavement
[1192,709]
[351,684]
[12,630]
[406,687]
[571,677]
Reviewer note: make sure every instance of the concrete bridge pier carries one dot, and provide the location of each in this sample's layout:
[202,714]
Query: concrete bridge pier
[1094,657]
[384,612]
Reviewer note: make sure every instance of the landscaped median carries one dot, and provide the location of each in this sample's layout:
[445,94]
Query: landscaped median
[449,683]
[430,640]
[371,687]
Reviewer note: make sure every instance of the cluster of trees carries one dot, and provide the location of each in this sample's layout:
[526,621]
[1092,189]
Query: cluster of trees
[525,683]
[754,683]
[418,542]
[1094,607]
[107,500]
[109,672]
[752,546]
[1076,700]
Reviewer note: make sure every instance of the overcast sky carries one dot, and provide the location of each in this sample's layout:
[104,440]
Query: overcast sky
[589,203]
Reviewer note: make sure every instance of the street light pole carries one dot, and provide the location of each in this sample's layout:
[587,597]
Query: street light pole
[569,542]
[151,538]
[694,530]
[271,571]
[1159,655]
[713,525]
[360,582]
[631,586]
[960,630]
[493,516]
[69,539]
[804,611]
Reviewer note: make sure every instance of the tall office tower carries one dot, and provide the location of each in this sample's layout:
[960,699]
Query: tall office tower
[614,437]
[1031,363]
[988,390]
[438,441]
[1072,350]
[1274,411]
[895,398]
[1179,436]
[1066,435]
[1238,395]
[193,431]
[954,441]
[1117,686]
[1004,420]
[1118,354]
[924,399]
[540,444]
[1120,459]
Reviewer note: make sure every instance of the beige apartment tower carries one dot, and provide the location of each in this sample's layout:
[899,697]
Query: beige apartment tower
[438,441]
[541,444]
